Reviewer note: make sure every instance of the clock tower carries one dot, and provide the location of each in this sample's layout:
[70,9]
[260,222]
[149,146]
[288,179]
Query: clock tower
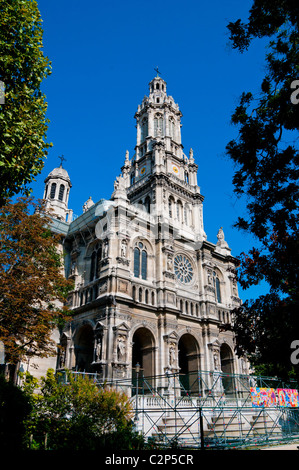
[162,178]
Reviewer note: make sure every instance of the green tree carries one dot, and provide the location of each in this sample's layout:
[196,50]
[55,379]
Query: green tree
[267,169]
[75,413]
[23,124]
[33,287]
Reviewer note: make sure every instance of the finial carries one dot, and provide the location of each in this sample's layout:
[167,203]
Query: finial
[61,160]
[157,70]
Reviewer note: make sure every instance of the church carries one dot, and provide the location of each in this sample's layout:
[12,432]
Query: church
[149,288]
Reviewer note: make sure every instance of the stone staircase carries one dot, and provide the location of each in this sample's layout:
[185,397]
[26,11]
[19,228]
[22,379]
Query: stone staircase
[263,423]
[174,427]
[224,425]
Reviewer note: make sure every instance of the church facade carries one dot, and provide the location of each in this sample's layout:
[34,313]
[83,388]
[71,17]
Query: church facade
[149,288]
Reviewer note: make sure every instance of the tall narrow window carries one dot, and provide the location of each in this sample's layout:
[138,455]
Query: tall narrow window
[218,292]
[144,264]
[147,204]
[144,130]
[217,287]
[61,192]
[136,262]
[179,209]
[170,207]
[53,190]
[186,214]
[140,261]
[171,128]
[92,265]
[98,262]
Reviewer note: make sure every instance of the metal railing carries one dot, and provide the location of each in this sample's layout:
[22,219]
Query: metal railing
[205,409]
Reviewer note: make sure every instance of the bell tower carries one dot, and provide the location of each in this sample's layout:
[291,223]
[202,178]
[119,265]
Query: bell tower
[56,194]
[161,177]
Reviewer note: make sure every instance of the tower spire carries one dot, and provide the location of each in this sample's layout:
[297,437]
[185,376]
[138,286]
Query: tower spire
[61,160]
[157,70]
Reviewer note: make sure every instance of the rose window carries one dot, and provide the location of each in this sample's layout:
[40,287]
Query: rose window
[183,269]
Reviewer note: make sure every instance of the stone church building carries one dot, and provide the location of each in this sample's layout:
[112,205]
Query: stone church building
[149,288]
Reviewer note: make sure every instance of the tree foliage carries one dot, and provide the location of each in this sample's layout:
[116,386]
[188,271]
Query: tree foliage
[33,287]
[75,413]
[23,124]
[267,170]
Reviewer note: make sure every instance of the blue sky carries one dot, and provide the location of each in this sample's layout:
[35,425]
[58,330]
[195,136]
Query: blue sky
[103,56]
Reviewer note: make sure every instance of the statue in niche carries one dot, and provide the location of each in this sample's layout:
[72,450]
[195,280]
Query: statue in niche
[169,263]
[172,355]
[98,350]
[216,362]
[62,358]
[123,249]
[73,270]
[121,349]
[105,249]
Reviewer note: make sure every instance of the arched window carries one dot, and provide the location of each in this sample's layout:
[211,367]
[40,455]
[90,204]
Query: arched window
[136,262]
[92,265]
[144,129]
[96,257]
[147,204]
[171,128]
[140,261]
[179,210]
[217,287]
[61,192]
[186,214]
[170,206]
[144,264]
[53,190]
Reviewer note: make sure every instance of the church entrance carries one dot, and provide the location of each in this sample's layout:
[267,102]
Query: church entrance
[84,345]
[189,364]
[227,367]
[143,354]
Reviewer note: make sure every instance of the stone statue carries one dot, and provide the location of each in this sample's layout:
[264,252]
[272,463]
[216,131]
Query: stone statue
[123,248]
[171,355]
[120,349]
[98,350]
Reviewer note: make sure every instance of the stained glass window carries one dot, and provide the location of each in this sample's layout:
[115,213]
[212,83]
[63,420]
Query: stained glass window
[183,269]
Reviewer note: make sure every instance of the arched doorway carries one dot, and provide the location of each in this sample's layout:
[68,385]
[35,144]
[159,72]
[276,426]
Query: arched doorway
[227,367]
[84,348]
[188,351]
[143,353]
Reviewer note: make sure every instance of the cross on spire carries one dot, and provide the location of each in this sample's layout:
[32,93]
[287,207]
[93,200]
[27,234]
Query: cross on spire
[157,70]
[62,159]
